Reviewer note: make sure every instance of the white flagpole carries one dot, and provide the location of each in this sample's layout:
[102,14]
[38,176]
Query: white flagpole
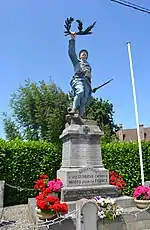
[136,111]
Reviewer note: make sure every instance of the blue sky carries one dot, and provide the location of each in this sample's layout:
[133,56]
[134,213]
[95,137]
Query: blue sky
[32,45]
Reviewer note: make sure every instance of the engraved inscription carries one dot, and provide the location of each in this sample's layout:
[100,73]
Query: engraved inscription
[86,150]
[88,176]
[78,151]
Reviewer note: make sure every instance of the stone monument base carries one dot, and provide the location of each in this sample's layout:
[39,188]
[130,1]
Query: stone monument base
[82,172]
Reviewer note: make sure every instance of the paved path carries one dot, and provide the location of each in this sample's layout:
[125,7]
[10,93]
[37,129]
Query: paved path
[15,218]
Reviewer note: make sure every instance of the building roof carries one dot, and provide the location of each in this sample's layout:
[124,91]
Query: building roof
[131,134]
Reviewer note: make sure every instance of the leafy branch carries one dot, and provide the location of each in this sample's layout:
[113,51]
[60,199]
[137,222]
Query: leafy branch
[68,23]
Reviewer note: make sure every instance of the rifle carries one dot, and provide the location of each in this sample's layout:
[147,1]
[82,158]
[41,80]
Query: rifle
[95,89]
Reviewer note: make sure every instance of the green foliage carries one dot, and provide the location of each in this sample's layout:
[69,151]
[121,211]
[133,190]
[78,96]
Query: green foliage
[102,112]
[10,128]
[123,157]
[21,164]
[38,112]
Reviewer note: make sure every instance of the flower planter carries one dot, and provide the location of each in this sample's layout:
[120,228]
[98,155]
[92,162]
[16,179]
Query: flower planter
[44,215]
[142,204]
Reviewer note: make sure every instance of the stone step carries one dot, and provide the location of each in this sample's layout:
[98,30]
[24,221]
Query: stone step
[125,201]
[135,214]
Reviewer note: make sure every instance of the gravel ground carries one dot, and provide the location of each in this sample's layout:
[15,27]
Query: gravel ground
[15,217]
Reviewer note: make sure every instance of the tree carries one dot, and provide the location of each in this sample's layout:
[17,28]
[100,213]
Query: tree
[102,112]
[38,112]
[10,128]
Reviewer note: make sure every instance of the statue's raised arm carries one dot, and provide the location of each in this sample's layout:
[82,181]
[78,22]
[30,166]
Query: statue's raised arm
[72,50]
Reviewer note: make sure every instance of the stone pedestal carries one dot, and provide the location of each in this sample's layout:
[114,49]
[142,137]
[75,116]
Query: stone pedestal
[82,171]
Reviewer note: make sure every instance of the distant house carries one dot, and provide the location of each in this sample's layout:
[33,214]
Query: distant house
[131,134]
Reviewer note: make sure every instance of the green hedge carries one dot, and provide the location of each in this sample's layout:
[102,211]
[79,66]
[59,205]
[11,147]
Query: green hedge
[123,157]
[21,164]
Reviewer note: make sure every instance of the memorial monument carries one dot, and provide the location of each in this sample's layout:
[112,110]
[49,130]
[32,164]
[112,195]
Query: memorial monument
[82,171]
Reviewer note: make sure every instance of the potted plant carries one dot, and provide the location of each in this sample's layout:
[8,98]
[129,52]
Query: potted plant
[141,196]
[108,208]
[48,205]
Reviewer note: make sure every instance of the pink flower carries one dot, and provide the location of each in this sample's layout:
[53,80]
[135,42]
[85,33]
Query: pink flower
[55,185]
[51,183]
[142,192]
[148,194]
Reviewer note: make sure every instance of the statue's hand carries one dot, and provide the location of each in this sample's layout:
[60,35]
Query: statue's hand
[94,90]
[73,35]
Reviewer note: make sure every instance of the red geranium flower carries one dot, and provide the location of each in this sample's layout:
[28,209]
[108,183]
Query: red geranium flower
[116,179]
[41,204]
[56,207]
[41,196]
[40,185]
[112,177]
[112,182]
[64,208]
[52,199]
[44,176]
[47,191]
[60,207]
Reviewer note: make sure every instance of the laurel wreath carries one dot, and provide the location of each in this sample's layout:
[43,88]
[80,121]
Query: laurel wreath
[68,23]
